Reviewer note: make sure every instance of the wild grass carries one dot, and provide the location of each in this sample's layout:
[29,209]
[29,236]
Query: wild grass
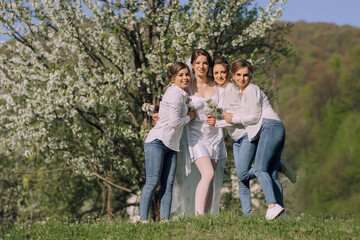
[226,225]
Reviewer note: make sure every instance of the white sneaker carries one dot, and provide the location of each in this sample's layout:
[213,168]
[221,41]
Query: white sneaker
[288,171]
[272,213]
[164,220]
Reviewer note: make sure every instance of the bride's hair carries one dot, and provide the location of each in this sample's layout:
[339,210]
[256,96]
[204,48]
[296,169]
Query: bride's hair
[203,52]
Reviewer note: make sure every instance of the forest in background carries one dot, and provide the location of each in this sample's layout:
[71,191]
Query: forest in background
[315,91]
[318,95]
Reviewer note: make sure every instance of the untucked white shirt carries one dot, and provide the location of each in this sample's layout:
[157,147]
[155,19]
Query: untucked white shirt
[230,103]
[172,118]
[255,107]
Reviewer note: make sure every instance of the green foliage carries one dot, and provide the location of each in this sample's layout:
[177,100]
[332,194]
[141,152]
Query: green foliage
[289,80]
[63,194]
[227,225]
[318,101]
[355,54]
[306,93]
[338,167]
[335,63]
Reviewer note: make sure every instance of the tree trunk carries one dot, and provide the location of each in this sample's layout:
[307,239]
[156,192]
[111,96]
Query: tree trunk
[109,213]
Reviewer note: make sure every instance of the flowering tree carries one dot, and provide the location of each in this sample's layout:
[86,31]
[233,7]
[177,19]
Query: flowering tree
[80,76]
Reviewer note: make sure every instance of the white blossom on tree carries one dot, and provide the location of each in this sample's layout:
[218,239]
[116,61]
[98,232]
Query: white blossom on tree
[81,76]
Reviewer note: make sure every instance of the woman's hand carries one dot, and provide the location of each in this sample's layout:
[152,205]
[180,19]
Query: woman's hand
[191,114]
[155,116]
[211,120]
[228,117]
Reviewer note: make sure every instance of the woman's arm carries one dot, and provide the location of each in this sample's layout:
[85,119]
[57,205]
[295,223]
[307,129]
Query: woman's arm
[253,100]
[174,106]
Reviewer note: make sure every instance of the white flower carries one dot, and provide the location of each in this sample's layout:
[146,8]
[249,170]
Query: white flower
[148,108]
[85,74]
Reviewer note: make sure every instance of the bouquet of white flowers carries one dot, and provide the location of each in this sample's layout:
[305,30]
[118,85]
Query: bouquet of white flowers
[212,109]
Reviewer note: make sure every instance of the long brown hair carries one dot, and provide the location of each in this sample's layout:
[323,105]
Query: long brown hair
[199,52]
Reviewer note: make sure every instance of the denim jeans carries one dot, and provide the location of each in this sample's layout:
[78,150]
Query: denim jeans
[160,165]
[267,159]
[244,152]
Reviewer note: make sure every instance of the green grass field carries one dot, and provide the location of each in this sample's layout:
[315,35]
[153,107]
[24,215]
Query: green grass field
[226,225]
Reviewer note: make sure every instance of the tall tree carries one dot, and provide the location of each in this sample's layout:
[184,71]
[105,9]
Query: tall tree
[81,75]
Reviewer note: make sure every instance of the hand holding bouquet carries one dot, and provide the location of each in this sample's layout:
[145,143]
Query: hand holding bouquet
[212,109]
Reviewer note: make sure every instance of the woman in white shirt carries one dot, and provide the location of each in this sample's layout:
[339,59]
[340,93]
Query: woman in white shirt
[229,100]
[242,148]
[265,133]
[163,140]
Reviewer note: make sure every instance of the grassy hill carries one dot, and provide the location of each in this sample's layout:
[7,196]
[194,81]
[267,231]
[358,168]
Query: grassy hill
[227,225]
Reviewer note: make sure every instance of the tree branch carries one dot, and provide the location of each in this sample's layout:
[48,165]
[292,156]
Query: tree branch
[88,120]
[111,183]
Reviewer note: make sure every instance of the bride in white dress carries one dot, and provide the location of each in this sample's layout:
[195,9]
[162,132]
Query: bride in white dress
[205,148]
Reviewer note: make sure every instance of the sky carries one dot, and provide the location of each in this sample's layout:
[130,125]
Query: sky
[343,12]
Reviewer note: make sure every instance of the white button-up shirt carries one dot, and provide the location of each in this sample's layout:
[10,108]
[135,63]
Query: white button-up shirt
[172,118]
[230,103]
[255,106]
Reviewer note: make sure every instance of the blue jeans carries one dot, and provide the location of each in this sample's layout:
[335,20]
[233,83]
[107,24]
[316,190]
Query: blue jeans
[244,152]
[160,165]
[267,159]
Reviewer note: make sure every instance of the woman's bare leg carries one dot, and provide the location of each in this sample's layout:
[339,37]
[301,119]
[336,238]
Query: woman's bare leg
[209,197]
[206,169]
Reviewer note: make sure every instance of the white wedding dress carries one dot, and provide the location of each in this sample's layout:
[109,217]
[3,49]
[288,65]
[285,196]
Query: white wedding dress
[199,140]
